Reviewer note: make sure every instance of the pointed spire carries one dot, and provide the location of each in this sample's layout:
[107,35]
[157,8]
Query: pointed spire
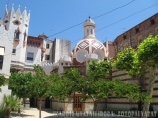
[29,15]
[6,11]
[18,11]
[24,12]
[12,10]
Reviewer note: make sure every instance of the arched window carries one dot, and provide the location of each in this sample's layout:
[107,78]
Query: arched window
[24,36]
[91,31]
[87,31]
[16,34]
[30,42]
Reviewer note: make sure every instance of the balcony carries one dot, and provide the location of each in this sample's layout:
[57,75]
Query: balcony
[89,57]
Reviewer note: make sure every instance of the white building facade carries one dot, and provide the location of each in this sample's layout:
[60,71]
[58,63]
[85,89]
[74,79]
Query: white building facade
[27,51]
[20,52]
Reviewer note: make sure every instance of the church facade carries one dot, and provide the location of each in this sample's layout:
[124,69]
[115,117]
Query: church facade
[19,52]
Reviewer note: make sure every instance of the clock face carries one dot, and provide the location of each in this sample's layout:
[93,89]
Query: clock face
[81,55]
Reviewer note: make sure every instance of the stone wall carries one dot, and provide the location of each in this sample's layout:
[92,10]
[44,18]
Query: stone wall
[124,103]
[137,34]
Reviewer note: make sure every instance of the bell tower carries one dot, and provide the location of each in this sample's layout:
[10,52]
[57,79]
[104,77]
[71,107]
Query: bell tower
[89,28]
[18,22]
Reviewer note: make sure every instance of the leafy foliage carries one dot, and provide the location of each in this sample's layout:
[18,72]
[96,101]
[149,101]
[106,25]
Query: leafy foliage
[61,89]
[40,83]
[2,81]
[20,84]
[98,70]
[137,62]
[10,103]
[148,51]
[128,61]
[131,91]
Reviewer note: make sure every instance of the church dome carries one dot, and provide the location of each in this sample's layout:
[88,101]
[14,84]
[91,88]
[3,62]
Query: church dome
[89,46]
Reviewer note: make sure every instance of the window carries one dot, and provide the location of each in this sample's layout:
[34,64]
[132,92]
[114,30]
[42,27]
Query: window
[124,37]
[16,34]
[47,46]
[1,56]
[47,57]
[1,61]
[5,27]
[152,21]
[87,31]
[14,51]
[39,44]
[41,57]
[2,51]
[16,22]
[24,37]
[91,31]
[30,56]
[137,30]
[28,42]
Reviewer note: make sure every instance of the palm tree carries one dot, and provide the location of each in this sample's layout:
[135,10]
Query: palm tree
[10,103]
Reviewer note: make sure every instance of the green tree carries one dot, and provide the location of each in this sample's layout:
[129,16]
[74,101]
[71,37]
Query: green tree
[10,103]
[40,85]
[61,88]
[148,55]
[135,63]
[127,60]
[20,84]
[97,87]
[91,86]
[72,75]
[94,86]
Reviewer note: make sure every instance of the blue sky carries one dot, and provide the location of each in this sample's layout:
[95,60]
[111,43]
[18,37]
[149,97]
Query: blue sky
[53,16]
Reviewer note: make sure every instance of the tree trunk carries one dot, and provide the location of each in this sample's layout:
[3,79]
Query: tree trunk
[152,77]
[95,105]
[40,100]
[24,99]
[19,109]
[8,114]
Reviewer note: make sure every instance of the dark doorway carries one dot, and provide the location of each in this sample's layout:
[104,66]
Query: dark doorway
[33,102]
[47,102]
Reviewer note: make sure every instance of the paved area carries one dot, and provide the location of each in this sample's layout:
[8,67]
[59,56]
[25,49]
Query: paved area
[33,113]
[48,113]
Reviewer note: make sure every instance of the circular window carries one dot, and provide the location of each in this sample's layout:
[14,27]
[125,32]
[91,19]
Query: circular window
[16,22]
[81,55]
[100,54]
